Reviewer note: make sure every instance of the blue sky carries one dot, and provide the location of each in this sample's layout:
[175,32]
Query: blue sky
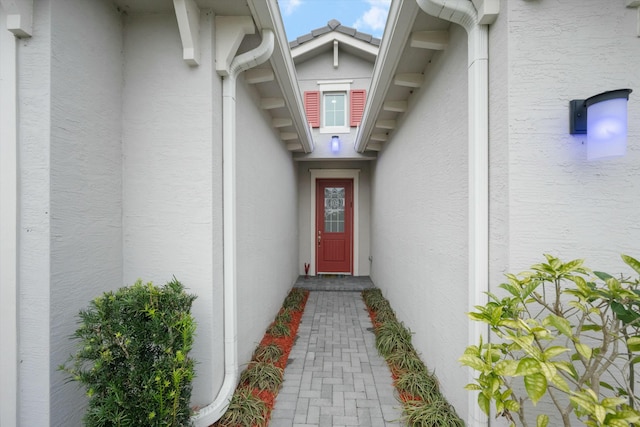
[302,16]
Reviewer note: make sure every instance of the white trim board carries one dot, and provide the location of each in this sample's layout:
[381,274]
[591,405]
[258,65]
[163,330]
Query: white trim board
[8,228]
[328,174]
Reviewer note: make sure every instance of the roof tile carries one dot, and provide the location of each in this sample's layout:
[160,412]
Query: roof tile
[334,25]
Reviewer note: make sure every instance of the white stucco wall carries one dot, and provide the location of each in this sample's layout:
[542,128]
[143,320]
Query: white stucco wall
[85,177]
[558,202]
[419,224]
[363,221]
[267,227]
[172,177]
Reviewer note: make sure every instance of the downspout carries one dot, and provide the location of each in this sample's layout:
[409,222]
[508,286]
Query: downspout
[462,12]
[9,390]
[214,411]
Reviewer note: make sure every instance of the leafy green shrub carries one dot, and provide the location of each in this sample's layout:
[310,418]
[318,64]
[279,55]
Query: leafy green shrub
[245,409]
[562,331]
[392,336]
[132,356]
[435,413]
[268,353]
[418,383]
[263,376]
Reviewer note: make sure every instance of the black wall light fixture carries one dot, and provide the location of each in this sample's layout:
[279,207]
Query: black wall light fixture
[603,118]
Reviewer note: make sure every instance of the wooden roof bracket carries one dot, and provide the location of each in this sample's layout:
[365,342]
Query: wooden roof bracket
[19,17]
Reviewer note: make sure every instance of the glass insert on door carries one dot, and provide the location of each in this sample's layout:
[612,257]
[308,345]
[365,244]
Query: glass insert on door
[334,209]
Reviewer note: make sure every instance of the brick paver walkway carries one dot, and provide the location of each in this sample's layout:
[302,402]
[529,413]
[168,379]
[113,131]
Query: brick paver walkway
[335,376]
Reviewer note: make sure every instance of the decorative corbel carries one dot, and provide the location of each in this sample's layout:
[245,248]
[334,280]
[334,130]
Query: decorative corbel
[188,16]
[19,17]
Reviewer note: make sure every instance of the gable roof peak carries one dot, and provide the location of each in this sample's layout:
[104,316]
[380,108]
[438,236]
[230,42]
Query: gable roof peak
[333,24]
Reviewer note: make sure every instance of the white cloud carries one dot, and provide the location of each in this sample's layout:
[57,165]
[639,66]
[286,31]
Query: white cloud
[289,6]
[375,18]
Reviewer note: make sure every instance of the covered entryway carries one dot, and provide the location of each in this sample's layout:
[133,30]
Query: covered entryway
[334,246]
[334,226]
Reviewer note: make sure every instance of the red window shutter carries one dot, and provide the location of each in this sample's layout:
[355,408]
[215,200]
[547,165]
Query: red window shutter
[357,99]
[312,107]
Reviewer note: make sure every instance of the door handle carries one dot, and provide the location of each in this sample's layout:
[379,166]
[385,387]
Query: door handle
[319,237]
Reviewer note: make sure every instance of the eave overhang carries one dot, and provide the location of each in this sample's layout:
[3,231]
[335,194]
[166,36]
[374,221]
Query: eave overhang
[275,80]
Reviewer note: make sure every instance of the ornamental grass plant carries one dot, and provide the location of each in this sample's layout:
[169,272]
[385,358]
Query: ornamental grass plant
[260,382]
[418,390]
[269,353]
[245,409]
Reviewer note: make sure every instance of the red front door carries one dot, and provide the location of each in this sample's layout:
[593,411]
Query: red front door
[334,226]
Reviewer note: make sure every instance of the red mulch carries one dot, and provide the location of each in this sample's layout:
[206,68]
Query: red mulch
[285,344]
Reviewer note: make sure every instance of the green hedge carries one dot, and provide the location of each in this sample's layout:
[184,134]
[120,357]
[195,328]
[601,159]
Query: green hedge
[132,356]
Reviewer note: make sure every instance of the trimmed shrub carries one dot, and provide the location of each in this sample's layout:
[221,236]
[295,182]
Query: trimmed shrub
[132,356]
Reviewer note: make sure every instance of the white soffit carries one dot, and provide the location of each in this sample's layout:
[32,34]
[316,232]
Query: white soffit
[435,40]
[266,15]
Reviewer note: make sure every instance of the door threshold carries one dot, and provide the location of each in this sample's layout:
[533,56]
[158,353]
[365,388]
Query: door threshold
[329,275]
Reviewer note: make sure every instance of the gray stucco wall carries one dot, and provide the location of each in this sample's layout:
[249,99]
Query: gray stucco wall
[320,67]
[86,177]
[419,218]
[34,118]
[267,227]
[121,177]
[546,197]
[351,68]
[172,178]
[70,182]
[558,202]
